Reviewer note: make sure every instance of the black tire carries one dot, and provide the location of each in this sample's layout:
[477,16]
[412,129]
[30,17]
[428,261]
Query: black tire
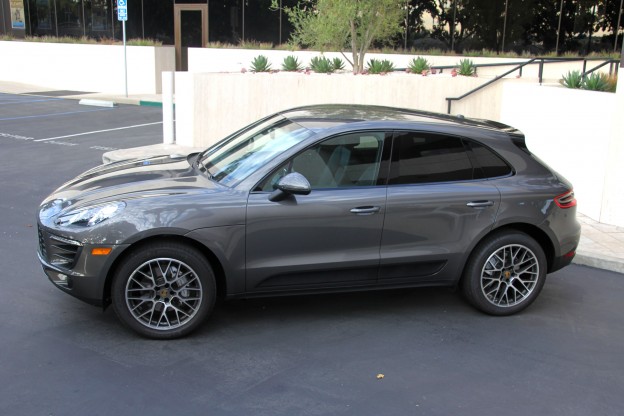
[164,290]
[505,273]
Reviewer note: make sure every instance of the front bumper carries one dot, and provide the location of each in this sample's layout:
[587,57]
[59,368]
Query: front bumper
[72,268]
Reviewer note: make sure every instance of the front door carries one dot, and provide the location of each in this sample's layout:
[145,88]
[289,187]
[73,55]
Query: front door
[190,30]
[329,238]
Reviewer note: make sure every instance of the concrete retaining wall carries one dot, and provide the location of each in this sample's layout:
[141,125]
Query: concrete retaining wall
[233,60]
[93,68]
[210,105]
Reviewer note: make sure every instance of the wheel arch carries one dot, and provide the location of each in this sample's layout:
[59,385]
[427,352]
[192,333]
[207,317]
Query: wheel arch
[210,257]
[531,230]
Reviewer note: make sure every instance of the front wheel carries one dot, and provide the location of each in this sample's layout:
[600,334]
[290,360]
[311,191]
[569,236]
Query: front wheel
[505,273]
[164,290]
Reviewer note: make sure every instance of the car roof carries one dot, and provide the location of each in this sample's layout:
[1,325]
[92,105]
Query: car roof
[320,117]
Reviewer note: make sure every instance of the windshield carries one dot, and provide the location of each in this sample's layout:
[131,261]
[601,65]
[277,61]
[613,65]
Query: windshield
[239,156]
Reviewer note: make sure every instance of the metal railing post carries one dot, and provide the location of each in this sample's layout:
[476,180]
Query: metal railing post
[541,70]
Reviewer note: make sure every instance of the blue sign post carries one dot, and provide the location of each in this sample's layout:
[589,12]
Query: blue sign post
[122,16]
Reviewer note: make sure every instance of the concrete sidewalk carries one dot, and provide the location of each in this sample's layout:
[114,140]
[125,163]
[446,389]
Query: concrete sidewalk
[30,89]
[601,245]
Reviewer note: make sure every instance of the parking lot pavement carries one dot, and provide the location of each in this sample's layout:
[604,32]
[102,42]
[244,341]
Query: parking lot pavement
[51,121]
[313,355]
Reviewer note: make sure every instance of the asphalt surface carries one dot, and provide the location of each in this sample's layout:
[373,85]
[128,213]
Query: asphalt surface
[315,355]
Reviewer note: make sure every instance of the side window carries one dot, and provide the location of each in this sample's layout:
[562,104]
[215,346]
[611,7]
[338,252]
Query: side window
[344,161]
[491,164]
[425,158]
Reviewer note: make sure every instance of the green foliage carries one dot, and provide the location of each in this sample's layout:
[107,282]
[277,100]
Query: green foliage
[338,64]
[144,42]
[376,66]
[467,68]
[337,25]
[321,65]
[291,63]
[418,65]
[572,79]
[596,81]
[260,64]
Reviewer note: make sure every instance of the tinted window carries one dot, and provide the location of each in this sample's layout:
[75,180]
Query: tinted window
[423,158]
[343,161]
[490,163]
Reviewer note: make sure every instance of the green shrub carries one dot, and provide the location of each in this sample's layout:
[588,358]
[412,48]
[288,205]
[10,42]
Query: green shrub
[595,82]
[467,68]
[572,79]
[338,64]
[321,65]
[376,66]
[418,65]
[260,64]
[291,64]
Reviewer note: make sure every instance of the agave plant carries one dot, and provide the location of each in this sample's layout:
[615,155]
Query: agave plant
[260,64]
[418,65]
[338,64]
[467,68]
[572,79]
[376,66]
[321,65]
[596,82]
[291,64]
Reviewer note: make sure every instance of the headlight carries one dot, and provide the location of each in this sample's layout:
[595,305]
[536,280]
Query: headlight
[90,216]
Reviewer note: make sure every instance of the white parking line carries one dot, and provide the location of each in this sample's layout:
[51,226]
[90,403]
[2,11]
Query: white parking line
[98,131]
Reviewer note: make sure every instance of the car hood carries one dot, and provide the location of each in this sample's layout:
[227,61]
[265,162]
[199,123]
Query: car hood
[139,178]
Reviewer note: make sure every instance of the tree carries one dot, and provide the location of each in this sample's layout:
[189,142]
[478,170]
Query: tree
[331,24]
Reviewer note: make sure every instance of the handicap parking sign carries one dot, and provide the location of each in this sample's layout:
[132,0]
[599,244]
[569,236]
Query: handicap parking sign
[122,10]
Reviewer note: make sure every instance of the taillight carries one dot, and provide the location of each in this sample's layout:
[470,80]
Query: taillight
[566,200]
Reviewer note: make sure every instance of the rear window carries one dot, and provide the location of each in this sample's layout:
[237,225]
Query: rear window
[491,164]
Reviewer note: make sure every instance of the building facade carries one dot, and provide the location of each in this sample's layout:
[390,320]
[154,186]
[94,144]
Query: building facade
[228,21]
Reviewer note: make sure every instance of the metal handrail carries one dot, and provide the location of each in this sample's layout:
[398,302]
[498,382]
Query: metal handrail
[611,63]
[540,61]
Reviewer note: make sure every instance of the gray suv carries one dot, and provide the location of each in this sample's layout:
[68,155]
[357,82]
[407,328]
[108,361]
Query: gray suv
[313,200]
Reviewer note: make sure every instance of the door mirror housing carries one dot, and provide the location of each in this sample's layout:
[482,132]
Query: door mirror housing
[292,184]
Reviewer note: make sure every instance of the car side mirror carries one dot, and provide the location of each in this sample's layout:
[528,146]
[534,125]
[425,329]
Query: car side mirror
[292,184]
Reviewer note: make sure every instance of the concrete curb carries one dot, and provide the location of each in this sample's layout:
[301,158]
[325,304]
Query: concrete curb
[599,262]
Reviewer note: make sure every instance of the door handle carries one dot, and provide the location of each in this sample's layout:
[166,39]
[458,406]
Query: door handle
[365,210]
[480,204]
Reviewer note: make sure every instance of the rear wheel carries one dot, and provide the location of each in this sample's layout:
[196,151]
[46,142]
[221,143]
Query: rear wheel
[164,290]
[505,273]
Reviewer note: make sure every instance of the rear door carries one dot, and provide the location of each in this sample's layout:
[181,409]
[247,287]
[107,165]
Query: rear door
[438,204]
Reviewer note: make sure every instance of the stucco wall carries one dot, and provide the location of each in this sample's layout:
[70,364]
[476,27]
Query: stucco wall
[573,132]
[613,197]
[211,105]
[93,68]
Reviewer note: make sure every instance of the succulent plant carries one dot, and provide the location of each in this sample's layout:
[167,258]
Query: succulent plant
[260,64]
